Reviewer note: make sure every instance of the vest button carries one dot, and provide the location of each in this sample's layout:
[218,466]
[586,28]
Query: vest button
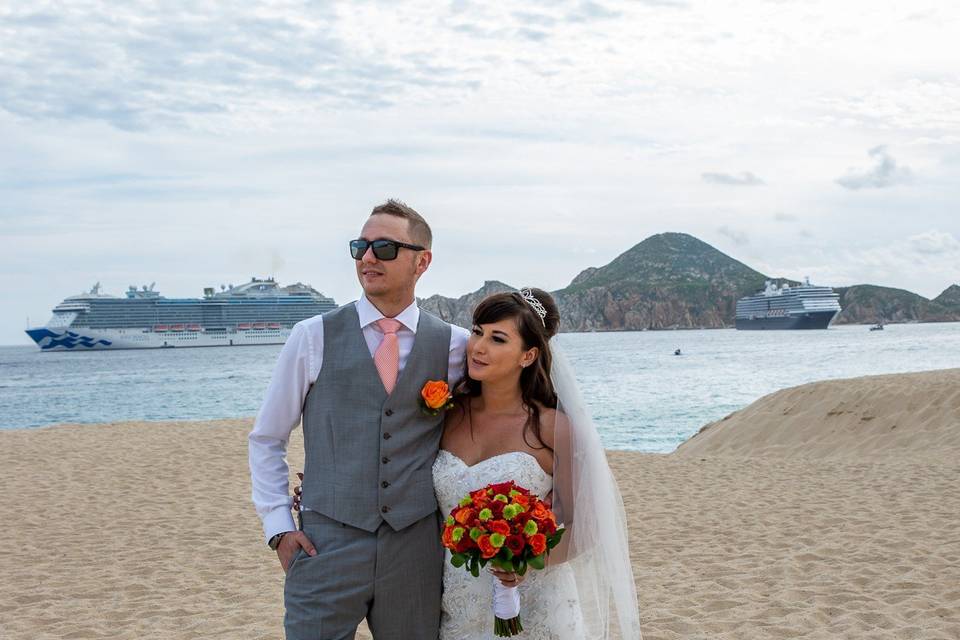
[386,436]
[384,484]
[384,509]
[388,412]
[384,459]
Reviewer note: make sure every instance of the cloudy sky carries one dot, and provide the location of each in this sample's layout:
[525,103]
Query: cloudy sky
[154,142]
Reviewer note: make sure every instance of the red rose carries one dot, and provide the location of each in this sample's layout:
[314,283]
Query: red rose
[497,507]
[538,543]
[547,526]
[487,550]
[499,526]
[479,497]
[503,487]
[515,543]
[448,537]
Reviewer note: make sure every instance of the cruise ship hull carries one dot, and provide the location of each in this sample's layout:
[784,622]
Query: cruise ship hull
[809,320]
[58,339]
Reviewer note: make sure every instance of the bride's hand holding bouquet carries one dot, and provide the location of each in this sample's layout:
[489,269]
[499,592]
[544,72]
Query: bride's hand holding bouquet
[510,528]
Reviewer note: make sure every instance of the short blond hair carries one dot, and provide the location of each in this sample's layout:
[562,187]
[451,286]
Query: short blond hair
[419,229]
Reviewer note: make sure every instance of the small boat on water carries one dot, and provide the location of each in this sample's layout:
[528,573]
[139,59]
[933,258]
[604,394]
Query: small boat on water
[877,327]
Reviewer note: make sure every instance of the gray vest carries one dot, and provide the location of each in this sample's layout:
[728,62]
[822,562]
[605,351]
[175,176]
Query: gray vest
[368,456]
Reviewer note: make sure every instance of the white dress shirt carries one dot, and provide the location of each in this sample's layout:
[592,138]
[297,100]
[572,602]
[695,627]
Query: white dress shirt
[297,368]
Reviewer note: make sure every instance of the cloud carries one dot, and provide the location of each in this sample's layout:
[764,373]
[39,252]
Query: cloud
[785,217]
[884,174]
[139,69]
[934,242]
[530,18]
[588,11]
[536,35]
[738,237]
[743,179]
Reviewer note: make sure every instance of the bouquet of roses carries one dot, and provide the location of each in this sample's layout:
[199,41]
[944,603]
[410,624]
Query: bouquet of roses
[505,525]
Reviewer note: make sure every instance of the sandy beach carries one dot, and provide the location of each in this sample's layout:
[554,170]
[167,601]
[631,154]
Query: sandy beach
[826,511]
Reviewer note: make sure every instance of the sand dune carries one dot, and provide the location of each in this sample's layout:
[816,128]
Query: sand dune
[145,530]
[913,414]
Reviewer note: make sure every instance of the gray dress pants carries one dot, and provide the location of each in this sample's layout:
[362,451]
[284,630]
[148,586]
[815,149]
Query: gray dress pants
[391,578]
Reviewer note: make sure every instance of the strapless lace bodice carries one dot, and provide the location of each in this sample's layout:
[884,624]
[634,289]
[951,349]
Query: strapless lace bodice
[453,478]
[548,599]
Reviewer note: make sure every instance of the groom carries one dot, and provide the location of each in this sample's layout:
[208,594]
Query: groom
[368,545]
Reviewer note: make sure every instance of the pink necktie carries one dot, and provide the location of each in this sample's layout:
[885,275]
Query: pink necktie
[387,356]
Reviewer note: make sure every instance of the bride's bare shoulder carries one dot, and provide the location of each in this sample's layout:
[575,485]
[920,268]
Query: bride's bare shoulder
[553,423]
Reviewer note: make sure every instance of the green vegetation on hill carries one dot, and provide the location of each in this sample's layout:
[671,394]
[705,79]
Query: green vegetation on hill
[950,298]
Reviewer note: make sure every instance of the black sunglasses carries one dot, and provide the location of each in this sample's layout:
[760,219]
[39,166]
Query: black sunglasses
[382,249]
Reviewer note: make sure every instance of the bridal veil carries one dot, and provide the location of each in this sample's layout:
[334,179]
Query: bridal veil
[587,500]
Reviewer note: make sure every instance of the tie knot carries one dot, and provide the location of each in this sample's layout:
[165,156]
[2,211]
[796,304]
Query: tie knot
[388,325]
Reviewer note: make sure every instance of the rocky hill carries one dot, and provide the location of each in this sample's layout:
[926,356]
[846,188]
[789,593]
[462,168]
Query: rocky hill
[950,298]
[675,281]
[668,281]
[867,303]
[459,311]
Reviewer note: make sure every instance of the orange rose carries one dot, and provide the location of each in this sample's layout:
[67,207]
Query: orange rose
[538,543]
[487,550]
[435,394]
[539,511]
[448,538]
[464,515]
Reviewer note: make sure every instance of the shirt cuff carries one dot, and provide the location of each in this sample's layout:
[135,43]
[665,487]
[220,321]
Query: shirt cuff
[277,521]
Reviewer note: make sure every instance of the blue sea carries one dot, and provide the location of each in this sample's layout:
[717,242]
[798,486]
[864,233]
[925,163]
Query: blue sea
[642,396]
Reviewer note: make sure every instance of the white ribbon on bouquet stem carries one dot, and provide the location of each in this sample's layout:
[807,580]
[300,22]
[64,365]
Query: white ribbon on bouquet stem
[506,600]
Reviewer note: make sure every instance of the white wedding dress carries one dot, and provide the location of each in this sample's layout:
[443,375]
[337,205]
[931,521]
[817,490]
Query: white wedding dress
[549,608]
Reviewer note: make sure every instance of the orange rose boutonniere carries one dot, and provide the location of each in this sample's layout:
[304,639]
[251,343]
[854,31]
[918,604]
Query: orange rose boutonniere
[435,397]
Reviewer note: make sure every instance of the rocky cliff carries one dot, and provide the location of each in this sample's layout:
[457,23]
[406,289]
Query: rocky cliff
[459,311]
[950,298]
[867,303]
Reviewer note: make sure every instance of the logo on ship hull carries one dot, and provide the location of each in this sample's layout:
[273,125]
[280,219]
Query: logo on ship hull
[47,339]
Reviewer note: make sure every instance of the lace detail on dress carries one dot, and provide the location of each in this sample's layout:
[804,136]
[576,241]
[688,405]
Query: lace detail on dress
[549,607]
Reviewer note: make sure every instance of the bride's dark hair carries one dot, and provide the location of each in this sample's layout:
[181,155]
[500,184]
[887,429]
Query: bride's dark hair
[536,388]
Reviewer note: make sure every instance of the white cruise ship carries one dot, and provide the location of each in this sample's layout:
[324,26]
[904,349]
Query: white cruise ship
[802,307]
[257,312]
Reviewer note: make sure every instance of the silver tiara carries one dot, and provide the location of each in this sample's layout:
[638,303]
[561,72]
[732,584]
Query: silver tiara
[536,304]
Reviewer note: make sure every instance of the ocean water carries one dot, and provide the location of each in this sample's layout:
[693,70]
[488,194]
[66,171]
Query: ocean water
[642,396]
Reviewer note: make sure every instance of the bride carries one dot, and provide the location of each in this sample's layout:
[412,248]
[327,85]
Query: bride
[519,416]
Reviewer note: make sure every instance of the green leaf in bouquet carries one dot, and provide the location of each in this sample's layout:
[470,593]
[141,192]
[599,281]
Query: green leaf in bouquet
[537,561]
[475,567]
[522,567]
[458,560]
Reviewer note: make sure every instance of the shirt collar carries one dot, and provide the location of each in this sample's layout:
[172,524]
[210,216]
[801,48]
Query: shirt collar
[369,314]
